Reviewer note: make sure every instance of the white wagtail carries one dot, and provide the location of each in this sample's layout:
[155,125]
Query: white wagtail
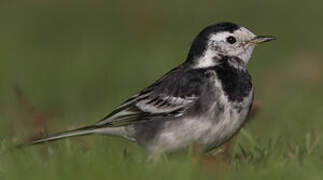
[205,100]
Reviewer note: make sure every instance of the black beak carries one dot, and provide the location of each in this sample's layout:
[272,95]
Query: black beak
[262,39]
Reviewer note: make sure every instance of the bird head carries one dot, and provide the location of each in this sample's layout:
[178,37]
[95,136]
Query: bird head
[223,40]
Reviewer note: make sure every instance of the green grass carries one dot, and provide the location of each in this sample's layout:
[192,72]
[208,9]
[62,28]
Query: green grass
[75,61]
[107,158]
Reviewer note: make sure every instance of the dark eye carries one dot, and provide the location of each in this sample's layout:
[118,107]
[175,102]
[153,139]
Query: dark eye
[231,39]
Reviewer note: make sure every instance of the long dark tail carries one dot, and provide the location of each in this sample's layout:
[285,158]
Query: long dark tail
[71,133]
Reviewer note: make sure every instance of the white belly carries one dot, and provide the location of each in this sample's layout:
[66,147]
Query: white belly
[206,132]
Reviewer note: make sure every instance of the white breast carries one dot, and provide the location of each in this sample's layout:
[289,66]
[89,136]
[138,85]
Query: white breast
[229,123]
[207,130]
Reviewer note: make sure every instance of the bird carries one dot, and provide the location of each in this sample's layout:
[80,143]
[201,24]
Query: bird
[205,100]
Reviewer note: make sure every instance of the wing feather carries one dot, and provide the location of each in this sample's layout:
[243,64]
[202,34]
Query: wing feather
[171,96]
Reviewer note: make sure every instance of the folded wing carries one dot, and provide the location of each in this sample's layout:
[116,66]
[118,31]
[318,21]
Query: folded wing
[170,96]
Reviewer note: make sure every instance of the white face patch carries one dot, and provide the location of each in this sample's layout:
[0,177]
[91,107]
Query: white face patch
[207,59]
[218,45]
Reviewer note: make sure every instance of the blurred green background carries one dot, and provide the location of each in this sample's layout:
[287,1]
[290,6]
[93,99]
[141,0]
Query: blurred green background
[74,61]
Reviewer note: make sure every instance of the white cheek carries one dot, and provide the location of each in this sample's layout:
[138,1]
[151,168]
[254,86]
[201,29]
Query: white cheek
[245,55]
